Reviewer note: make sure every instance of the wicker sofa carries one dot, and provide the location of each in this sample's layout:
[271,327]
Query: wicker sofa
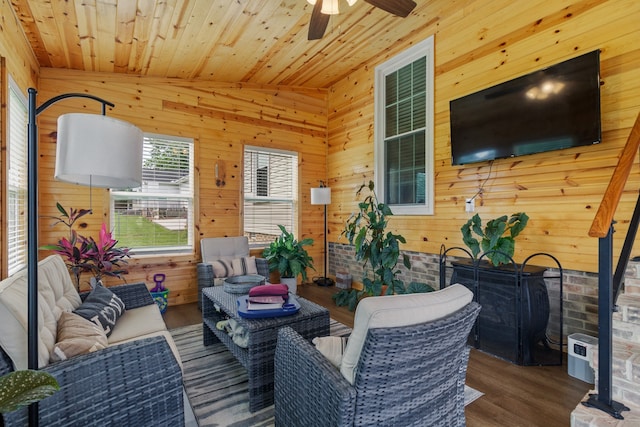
[393,372]
[218,256]
[135,380]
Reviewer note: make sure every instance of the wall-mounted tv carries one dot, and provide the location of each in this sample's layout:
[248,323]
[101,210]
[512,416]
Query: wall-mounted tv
[550,109]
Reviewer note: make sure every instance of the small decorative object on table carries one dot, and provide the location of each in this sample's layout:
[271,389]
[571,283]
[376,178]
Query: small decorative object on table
[242,284]
[160,293]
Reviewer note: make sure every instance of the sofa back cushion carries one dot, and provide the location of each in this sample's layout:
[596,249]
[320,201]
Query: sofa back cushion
[56,293]
[398,310]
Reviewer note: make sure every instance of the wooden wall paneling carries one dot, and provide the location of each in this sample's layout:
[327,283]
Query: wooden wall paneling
[255,115]
[559,190]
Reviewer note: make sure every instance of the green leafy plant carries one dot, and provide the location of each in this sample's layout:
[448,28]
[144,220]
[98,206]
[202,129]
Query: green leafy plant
[85,254]
[377,249]
[497,238]
[288,255]
[21,388]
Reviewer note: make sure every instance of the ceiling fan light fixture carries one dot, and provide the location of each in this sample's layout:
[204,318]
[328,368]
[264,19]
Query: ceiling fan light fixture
[351,2]
[311,2]
[330,7]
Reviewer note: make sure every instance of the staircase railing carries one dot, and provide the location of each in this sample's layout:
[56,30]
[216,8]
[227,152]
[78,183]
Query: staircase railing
[610,283]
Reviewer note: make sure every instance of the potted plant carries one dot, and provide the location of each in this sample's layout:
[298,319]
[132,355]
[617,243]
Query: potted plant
[497,238]
[379,251]
[21,388]
[288,256]
[85,254]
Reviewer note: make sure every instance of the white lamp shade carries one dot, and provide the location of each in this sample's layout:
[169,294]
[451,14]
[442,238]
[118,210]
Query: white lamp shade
[321,196]
[98,150]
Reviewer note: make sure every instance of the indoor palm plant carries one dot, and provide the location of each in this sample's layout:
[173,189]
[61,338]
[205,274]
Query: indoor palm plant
[378,249]
[289,257]
[85,254]
[497,238]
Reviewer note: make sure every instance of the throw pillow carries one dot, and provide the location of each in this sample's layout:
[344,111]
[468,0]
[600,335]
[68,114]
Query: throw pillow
[244,266]
[222,268]
[102,307]
[77,335]
[332,348]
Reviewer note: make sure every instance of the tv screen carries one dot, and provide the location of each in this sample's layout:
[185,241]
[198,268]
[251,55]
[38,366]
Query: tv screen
[550,109]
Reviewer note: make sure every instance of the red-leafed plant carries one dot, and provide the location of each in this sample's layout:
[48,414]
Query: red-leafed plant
[84,254]
[105,257]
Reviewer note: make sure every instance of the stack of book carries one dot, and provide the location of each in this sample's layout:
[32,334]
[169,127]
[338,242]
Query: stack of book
[266,302]
[267,297]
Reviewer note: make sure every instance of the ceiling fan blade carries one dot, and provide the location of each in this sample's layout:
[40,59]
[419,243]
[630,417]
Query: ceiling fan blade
[318,23]
[397,7]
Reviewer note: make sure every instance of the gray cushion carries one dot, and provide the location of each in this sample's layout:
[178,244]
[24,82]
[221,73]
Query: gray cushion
[102,307]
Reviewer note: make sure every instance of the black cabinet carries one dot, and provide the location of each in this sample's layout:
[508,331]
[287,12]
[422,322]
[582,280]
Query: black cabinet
[515,313]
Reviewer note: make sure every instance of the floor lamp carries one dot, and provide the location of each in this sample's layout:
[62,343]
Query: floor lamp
[93,150]
[322,196]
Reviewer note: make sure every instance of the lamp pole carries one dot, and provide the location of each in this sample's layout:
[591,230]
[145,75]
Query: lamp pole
[32,226]
[322,196]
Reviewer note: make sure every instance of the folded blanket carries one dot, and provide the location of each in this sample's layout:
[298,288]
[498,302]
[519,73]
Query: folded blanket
[269,290]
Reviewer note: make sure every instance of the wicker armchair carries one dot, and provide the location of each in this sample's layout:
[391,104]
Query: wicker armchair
[135,383]
[407,375]
[227,248]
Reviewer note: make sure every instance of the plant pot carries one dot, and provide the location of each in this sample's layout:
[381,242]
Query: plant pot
[291,282]
[274,277]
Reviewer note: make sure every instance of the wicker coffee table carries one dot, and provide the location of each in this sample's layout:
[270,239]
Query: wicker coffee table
[311,321]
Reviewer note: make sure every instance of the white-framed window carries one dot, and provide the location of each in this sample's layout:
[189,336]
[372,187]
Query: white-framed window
[270,193]
[158,216]
[16,185]
[404,130]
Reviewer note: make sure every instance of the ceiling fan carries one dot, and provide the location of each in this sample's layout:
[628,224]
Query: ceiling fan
[321,12]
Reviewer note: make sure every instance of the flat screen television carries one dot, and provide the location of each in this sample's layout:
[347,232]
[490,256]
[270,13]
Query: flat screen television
[550,109]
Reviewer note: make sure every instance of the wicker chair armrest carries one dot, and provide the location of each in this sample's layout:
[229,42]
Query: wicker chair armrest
[309,390]
[205,279]
[133,295]
[135,383]
[205,274]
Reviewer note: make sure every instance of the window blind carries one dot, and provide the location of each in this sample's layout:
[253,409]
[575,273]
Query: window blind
[17,182]
[270,188]
[404,144]
[158,216]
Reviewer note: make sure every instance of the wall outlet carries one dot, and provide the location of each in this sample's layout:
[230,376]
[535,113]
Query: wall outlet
[470,205]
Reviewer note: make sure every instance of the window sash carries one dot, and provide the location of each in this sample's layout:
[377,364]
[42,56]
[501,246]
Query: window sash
[270,188]
[16,186]
[158,216]
[405,169]
[404,130]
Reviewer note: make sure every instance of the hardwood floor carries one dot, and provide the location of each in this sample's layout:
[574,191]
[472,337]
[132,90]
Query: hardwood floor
[514,395]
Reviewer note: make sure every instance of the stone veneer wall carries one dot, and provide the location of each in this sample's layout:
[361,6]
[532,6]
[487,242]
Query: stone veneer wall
[580,289]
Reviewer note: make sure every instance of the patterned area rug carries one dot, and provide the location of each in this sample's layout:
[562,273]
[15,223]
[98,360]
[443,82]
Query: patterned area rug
[217,384]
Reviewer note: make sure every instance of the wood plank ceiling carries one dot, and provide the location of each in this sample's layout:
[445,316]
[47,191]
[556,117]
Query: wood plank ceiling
[252,41]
